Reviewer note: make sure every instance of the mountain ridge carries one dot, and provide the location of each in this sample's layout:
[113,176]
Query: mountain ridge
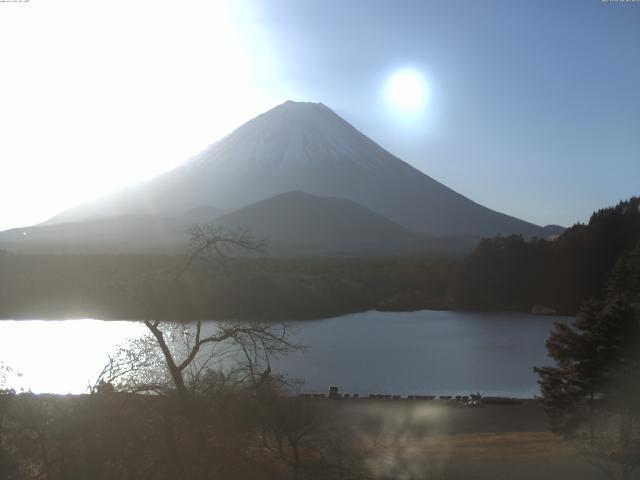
[294,224]
[303,146]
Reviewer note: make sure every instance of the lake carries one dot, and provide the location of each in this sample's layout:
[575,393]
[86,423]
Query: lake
[424,352]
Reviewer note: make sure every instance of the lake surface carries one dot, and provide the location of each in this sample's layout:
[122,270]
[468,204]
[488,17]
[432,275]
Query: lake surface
[425,352]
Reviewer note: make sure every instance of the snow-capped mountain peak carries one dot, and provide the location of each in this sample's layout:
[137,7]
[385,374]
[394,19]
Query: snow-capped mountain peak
[292,135]
[301,146]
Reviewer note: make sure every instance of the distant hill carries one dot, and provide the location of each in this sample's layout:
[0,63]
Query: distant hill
[199,214]
[162,234]
[123,234]
[309,148]
[294,224]
[301,223]
[551,231]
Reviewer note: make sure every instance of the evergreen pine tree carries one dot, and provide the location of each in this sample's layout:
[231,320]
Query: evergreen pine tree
[598,357]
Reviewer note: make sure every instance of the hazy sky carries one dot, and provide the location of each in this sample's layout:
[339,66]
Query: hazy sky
[533,107]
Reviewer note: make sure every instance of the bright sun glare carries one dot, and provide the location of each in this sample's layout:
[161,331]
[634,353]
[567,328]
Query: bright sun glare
[407,90]
[149,85]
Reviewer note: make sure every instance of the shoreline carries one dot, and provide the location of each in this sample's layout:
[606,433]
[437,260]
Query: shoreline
[188,319]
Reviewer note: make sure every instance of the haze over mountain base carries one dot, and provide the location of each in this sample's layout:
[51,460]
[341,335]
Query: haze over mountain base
[298,175]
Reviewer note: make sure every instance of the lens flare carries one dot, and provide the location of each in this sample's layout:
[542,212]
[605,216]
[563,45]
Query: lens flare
[407,90]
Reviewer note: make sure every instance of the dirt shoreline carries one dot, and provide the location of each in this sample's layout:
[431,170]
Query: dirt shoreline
[434,439]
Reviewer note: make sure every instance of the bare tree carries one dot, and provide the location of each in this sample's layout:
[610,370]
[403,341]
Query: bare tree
[180,361]
[256,342]
[187,351]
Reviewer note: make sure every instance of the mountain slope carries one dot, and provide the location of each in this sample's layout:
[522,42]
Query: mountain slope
[293,224]
[122,234]
[298,222]
[306,147]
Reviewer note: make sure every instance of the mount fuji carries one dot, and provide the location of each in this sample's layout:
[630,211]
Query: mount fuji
[300,146]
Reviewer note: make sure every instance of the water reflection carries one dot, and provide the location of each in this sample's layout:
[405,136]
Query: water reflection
[425,352]
[60,356]
[372,352]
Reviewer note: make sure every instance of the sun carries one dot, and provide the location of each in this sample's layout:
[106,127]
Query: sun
[407,90]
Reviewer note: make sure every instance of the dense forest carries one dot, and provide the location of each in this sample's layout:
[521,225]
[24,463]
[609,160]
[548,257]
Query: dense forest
[509,273]
[136,287]
[502,273]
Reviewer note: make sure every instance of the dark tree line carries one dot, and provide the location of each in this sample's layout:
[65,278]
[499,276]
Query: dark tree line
[242,432]
[594,387]
[99,286]
[510,273]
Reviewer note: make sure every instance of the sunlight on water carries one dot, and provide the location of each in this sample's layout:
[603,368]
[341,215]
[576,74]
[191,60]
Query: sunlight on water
[425,352]
[60,356]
